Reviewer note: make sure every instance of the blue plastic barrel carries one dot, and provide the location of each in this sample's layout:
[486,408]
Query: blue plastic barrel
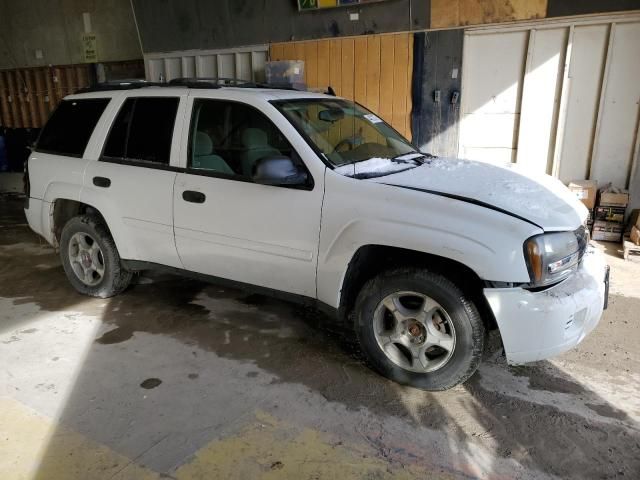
[4,160]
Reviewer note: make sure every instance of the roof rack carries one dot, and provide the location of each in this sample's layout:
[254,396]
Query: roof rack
[184,82]
[212,82]
[119,85]
[217,82]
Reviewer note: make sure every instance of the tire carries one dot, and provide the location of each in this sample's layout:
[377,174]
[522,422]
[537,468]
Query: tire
[86,240]
[417,328]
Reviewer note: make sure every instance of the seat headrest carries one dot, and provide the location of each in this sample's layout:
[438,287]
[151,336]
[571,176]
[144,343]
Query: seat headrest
[203,145]
[254,137]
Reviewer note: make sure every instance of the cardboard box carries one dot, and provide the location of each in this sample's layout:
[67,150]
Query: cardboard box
[586,191]
[635,235]
[607,231]
[610,214]
[614,199]
[634,218]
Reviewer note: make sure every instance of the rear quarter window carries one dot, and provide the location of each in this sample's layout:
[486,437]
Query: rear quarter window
[70,126]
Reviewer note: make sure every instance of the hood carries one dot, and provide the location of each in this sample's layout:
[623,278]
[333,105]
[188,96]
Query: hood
[537,198]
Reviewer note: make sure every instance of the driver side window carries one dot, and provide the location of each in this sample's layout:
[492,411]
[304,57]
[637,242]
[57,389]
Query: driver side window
[228,138]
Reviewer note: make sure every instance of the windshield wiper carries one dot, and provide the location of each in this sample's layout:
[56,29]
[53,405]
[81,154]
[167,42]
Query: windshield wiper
[366,175]
[415,157]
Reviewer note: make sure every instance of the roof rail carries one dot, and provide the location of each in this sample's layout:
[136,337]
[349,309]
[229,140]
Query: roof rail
[186,82]
[120,85]
[217,82]
[211,82]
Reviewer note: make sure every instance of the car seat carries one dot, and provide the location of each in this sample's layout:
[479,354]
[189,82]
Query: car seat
[256,146]
[204,159]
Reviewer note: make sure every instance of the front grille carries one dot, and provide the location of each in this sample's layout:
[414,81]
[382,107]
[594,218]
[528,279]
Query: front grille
[582,234]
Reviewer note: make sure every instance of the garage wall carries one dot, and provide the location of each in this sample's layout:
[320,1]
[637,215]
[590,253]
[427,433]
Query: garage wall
[374,70]
[451,13]
[457,13]
[561,8]
[560,98]
[56,28]
[177,25]
[244,63]
[436,91]
[27,96]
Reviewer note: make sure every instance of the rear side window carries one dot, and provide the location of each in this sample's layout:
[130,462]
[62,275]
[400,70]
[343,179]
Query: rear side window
[143,130]
[68,130]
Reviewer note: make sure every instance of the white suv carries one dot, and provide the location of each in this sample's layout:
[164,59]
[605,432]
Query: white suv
[315,198]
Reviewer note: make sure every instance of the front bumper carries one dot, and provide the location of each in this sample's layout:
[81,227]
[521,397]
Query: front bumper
[539,325]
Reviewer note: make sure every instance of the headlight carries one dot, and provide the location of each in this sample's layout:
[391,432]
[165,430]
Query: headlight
[552,257]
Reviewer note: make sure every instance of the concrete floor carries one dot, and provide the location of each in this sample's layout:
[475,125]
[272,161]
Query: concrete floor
[180,379]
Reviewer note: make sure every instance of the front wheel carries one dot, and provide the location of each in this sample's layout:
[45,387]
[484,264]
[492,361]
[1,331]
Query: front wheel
[90,258]
[417,328]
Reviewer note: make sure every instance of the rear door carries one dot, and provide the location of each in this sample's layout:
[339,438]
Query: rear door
[229,227]
[136,173]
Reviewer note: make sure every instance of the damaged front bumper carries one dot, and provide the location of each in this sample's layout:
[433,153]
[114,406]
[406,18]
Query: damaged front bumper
[539,325]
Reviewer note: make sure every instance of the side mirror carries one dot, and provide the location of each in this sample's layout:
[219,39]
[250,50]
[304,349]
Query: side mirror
[278,170]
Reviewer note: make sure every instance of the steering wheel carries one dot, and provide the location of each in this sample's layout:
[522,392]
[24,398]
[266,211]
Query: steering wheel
[350,142]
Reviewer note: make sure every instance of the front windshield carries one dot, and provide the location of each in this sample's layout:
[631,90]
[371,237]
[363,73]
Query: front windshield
[343,131]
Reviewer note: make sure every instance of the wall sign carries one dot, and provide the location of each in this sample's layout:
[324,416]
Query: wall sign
[306,5]
[89,48]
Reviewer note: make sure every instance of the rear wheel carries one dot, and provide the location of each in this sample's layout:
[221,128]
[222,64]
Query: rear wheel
[418,328]
[90,258]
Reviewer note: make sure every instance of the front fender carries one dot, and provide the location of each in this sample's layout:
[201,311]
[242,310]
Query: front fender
[358,213]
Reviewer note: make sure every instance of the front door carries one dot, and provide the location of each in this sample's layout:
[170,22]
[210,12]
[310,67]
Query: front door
[229,227]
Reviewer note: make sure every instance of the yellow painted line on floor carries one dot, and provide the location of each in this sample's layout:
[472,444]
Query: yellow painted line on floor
[270,449]
[32,447]
[35,448]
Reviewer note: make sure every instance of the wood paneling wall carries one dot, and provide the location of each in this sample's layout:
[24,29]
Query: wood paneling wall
[374,70]
[454,13]
[29,95]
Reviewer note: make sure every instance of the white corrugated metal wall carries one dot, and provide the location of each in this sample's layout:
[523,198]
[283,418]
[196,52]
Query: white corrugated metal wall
[245,63]
[561,97]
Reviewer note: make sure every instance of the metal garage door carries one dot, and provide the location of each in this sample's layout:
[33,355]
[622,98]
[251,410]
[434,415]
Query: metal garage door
[559,97]
[246,63]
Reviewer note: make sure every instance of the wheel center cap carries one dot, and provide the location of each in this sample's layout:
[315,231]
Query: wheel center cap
[86,259]
[415,330]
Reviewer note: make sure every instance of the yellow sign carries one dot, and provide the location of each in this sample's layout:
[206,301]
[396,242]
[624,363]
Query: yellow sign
[89,48]
[320,4]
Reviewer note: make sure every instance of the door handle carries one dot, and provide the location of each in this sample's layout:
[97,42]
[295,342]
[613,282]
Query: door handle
[103,182]
[193,197]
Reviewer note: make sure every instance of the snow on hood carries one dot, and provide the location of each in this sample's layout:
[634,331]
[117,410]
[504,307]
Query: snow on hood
[539,198]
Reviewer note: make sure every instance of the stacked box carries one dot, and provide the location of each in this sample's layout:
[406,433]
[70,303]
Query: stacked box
[607,231]
[586,191]
[633,227]
[286,73]
[614,199]
[609,216]
[590,219]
